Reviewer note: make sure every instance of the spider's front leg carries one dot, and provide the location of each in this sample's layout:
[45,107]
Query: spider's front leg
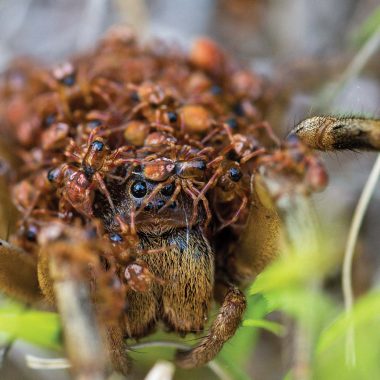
[18,269]
[18,274]
[336,133]
[222,329]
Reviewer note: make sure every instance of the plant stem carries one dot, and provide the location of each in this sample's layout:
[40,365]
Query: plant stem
[357,221]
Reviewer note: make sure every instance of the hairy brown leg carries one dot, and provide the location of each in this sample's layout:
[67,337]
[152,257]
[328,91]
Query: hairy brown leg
[18,274]
[334,133]
[186,266]
[117,348]
[141,313]
[222,329]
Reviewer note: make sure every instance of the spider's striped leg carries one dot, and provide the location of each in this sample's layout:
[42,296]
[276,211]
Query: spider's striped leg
[336,133]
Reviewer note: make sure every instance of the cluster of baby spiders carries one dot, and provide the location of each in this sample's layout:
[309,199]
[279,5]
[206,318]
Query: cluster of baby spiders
[90,123]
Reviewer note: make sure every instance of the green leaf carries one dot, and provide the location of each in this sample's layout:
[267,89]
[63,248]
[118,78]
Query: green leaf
[330,357]
[365,310]
[292,270]
[36,327]
[273,327]
[368,28]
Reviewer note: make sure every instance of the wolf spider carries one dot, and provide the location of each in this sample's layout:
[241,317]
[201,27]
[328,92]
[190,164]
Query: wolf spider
[152,199]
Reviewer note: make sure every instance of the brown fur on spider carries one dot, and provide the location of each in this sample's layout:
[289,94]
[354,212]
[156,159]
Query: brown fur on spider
[148,186]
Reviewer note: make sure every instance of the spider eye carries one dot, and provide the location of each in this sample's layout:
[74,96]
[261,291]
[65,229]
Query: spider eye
[98,146]
[138,169]
[216,90]
[149,207]
[135,96]
[202,165]
[94,123]
[68,80]
[172,116]
[160,204]
[139,189]
[31,233]
[235,174]
[53,174]
[116,238]
[50,119]
[232,123]
[168,189]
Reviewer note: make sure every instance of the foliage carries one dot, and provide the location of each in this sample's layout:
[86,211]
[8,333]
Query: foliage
[36,327]
[292,285]
[367,29]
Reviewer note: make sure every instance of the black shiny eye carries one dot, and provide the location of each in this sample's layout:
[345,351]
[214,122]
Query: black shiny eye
[31,233]
[160,204]
[235,174]
[89,171]
[139,189]
[216,90]
[148,207]
[68,80]
[50,119]
[116,238]
[172,116]
[238,109]
[168,190]
[201,165]
[98,146]
[53,174]
[135,97]
[232,123]
[94,123]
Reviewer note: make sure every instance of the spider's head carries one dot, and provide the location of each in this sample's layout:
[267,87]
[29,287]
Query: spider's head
[153,207]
